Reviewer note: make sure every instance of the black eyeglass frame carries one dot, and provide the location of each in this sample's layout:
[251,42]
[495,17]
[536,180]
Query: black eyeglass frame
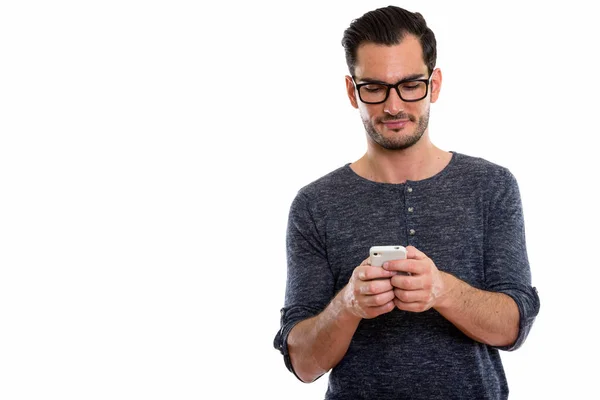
[392,86]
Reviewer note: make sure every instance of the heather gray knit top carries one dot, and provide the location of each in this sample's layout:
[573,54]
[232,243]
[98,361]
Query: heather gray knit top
[468,219]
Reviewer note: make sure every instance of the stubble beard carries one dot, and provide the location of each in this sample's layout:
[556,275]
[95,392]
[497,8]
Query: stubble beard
[398,142]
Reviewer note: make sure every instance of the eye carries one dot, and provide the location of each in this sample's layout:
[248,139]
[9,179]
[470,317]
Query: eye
[373,88]
[411,86]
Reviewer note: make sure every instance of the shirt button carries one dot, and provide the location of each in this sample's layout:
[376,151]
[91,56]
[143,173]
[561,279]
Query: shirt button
[409,190]
[410,209]
[412,232]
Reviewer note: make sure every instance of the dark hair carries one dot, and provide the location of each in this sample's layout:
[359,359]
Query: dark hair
[388,26]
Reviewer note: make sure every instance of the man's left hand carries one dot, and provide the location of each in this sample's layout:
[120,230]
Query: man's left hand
[420,290]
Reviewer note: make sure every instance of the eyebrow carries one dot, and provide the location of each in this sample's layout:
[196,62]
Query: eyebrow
[406,78]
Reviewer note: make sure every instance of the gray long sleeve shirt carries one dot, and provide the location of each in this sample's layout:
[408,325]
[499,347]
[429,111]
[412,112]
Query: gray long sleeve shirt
[468,219]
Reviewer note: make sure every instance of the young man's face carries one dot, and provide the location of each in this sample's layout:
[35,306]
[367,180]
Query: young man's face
[394,124]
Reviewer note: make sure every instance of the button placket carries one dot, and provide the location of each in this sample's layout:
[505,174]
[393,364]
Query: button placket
[410,210]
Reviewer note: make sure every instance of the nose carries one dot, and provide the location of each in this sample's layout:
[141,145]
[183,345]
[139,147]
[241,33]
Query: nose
[394,104]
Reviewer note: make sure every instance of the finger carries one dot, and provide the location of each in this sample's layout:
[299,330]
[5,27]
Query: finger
[379,299]
[376,311]
[411,307]
[366,261]
[414,253]
[367,273]
[411,266]
[414,282]
[375,286]
[413,296]
[408,296]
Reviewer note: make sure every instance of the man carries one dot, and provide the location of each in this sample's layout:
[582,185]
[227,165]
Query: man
[436,332]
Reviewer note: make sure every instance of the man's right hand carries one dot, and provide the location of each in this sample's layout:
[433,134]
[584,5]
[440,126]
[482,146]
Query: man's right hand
[318,344]
[369,293]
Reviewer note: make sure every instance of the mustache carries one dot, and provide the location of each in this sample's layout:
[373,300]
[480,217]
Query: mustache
[397,117]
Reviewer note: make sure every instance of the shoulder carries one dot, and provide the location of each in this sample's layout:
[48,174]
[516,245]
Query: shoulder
[324,192]
[494,182]
[327,183]
[481,169]
[465,161]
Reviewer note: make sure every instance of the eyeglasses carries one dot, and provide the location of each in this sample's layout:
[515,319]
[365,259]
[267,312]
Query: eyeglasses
[377,92]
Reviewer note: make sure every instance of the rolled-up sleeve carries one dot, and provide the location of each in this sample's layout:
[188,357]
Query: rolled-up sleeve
[506,262]
[310,282]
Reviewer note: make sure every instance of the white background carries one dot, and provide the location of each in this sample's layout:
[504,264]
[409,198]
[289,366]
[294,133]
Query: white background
[149,152]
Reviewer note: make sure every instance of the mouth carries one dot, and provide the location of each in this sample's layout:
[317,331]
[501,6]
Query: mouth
[396,123]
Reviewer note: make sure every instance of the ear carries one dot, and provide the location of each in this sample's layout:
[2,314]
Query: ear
[436,84]
[350,90]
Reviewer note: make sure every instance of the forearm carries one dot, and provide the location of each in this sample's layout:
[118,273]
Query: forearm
[317,344]
[488,317]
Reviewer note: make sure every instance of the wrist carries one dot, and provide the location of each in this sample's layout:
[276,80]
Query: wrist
[448,290]
[344,306]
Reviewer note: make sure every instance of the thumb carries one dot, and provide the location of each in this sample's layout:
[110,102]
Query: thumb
[414,253]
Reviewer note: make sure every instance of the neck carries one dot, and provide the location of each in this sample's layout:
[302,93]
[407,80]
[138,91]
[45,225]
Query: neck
[420,161]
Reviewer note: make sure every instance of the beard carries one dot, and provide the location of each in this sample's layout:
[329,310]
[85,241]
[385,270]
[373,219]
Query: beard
[399,142]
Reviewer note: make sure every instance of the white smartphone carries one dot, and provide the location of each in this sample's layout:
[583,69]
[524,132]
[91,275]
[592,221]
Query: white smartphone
[380,254]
